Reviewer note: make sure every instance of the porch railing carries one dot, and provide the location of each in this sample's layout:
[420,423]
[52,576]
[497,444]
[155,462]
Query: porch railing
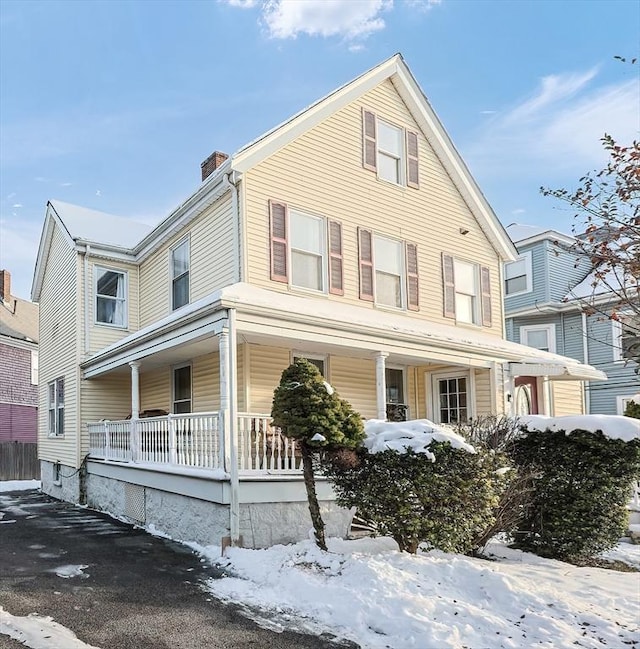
[195,440]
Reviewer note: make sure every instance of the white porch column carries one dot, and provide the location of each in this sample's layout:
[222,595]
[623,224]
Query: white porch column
[225,444]
[135,409]
[381,385]
[234,522]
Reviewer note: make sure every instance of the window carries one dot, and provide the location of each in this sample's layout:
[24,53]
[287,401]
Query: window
[182,389]
[111,300]
[34,367]
[306,250]
[307,236]
[56,408]
[467,291]
[452,394]
[622,403]
[518,276]
[180,264]
[626,331]
[388,271]
[542,337]
[389,150]
[396,407]
[315,359]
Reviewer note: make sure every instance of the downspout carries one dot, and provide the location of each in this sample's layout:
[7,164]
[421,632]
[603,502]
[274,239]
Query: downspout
[231,181]
[234,522]
[586,386]
[87,345]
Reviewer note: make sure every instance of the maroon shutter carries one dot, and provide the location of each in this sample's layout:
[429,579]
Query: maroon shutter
[278,236]
[413,300]
[369,148]
[335,258]
[412,160]
[448,286]
[485,287]
[365,250]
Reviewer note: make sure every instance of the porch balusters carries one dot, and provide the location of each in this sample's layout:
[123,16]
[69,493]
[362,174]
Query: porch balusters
[173,447]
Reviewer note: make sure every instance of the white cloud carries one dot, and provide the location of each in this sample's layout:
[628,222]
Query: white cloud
[423,5]
[15,205]
[243,4]
[350,19]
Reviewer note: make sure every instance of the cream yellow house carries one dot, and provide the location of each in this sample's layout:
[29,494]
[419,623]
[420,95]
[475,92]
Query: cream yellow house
[352,235]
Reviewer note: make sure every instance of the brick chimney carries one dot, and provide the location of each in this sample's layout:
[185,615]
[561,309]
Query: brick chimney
[212,163]
[5,285]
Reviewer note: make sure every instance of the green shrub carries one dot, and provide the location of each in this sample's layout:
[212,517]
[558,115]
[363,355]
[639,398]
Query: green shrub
[632,410]
[581,491]
[446,503]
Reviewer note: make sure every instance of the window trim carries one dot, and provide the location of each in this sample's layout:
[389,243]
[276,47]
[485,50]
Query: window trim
[551,335]
[622,402]
[186,239]
[173,386]
[403,272]
[312,356]
[477,304]
[125,274]
[56,406]
[616,337]
[528,269]
[433,400]
[324,242]
[401,158]
[405,381]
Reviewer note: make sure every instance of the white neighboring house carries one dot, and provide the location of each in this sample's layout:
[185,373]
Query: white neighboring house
[352,235]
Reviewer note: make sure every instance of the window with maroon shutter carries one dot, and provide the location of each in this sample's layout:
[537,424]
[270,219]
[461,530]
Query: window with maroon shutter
[365,253]
[485,287]
[412,160]
[413,300]
[278,237]
[448,287]
[335,258]
[369,147]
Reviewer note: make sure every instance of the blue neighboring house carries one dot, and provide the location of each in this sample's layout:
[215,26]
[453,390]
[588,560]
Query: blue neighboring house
[546,289]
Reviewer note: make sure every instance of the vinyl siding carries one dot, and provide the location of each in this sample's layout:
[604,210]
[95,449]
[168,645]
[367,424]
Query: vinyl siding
[58,349]
[482,380]
[214,261]
[565,270]
[321,172]
[155,389]
[572,336]
[265,367]
[101,335]
[355,381]
[567,398]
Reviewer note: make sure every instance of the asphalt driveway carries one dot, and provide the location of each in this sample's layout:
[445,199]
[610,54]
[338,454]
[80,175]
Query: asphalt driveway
[115,586]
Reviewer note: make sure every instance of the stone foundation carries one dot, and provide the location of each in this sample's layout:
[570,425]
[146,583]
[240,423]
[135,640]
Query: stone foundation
[66,487]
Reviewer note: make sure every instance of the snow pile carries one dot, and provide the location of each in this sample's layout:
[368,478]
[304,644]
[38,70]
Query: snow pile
[71,570]
[416,434]
[39,632]
[368,592]
[19,485]
[612,426]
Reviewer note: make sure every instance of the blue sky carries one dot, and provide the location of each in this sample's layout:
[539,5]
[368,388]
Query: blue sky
[113,105]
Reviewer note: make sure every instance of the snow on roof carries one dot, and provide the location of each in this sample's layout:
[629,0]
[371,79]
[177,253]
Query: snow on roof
[416,435]
[99,227]
[611,426]
[519,232]
[592,285]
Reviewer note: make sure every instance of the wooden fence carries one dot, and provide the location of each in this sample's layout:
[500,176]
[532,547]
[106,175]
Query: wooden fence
[19,461]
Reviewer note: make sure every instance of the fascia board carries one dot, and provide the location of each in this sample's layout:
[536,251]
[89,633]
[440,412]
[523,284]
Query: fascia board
[19,343]
[550,235]
[281,135]
[442,144]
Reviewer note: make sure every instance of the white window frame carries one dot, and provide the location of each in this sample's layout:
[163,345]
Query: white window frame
[34,366]
[477,297]
[174,368]
[551,335]
[55,407]
[403,273]
[125,274]
[622,402]
[528,263]
[402,172]
[185,240]
[405,386]
[295,355]
[434,401]
[324,251]
[616,337]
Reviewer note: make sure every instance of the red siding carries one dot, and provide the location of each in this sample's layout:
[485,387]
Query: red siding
[18,423]
[15,377]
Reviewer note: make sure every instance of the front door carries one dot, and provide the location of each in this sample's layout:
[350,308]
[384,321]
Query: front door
[526,395]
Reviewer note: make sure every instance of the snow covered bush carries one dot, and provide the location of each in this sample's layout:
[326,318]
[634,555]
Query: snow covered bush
[581,488]
[419,483]
[307,409]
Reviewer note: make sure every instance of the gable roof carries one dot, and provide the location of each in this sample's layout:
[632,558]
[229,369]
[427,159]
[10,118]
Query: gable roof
[19,319]
[396,70]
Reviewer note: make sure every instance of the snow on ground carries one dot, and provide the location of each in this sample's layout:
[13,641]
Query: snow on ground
[38,632]
[626,552]
[368,592]
[18,485]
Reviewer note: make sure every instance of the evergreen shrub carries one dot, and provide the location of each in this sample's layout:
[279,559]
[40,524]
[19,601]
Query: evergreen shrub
[632,409]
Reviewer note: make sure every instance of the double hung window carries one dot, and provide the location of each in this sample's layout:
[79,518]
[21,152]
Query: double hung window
[56,408]
[466,284]
[389,265]
[308,259]
[180,265]
[542,337]
[182,389]
[111,297]
[467,291]
[518,276]
[626,337]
